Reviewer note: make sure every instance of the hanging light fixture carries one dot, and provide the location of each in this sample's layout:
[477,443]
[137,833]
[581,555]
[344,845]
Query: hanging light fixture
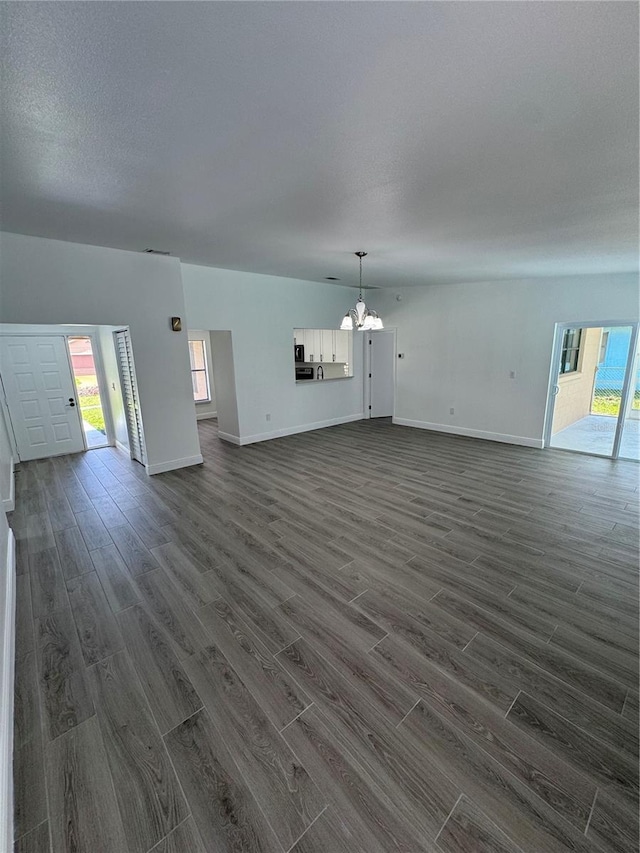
[361,317]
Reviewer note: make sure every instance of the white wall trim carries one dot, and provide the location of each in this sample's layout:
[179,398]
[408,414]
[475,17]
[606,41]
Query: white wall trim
[6,698]
[172,464]
[201,416]
[9,504]
[472,433]
[123,448]
[232,439]
[280,433]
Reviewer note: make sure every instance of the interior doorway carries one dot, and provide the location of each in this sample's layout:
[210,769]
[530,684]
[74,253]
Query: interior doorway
[594,403]
[380,373]
[87,381]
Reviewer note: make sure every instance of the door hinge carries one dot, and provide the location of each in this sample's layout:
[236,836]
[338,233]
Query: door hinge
[369,408]
[369,341]
[369,376]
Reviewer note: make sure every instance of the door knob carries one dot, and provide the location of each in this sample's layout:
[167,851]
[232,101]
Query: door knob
[72,402]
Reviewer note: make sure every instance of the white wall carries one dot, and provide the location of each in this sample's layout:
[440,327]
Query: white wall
[261,312]
[7,640]
[462,340]
[49,281]
[6,467]
[208,409]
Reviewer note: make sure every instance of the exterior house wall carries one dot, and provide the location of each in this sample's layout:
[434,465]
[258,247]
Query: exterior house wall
[576,389]
[83,365]
[612,368]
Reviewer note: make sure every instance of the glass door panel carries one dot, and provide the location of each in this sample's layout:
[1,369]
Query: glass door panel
[591,372]
[630,442]
[85,376]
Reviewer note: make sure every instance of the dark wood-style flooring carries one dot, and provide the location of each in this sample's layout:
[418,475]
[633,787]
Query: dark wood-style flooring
[367,638]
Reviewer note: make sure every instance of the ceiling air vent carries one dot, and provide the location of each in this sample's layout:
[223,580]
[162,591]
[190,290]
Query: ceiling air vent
[155,252]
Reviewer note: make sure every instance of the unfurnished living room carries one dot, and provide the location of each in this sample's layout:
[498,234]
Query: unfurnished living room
[319,427]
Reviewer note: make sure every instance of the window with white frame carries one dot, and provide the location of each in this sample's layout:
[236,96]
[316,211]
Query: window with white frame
[199,373]
[570,360]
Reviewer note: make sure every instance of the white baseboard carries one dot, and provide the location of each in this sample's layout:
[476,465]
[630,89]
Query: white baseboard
[280,433]
[472,433]
[202,416]
[9,504]
[172,464]
[6,698]
[227,436]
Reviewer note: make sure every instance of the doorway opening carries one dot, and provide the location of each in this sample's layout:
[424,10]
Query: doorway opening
[595,390]
[85,377]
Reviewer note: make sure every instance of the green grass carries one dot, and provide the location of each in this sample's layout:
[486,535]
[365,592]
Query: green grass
[90,406]
[609,404]
[95,417]
[91,400]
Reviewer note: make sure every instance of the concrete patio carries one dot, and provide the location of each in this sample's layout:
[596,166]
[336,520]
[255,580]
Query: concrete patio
[595,434]
[94,437]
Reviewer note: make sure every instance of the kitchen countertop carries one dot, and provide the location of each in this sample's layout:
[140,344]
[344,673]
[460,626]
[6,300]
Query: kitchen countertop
[315,381]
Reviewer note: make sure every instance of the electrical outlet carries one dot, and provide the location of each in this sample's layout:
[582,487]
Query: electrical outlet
[452,411]
[268,416]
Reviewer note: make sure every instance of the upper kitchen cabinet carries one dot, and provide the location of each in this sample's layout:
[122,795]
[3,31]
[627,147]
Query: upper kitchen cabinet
[327,345]
[330,350]
[342,346]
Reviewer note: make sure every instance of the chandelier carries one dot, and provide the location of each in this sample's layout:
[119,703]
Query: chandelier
[361,317]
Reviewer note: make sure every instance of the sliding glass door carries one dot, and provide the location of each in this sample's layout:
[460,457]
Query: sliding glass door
[594,402]
[630,425]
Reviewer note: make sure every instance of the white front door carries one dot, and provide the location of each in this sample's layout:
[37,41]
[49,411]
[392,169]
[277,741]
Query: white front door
[41,396]
[382,373]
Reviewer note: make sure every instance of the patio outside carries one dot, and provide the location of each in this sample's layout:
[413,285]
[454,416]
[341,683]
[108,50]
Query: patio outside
[590,397]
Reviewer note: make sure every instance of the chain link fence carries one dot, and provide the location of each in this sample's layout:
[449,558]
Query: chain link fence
[607,391]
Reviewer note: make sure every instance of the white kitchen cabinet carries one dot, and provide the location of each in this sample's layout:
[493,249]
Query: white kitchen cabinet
[327,345]
[324,345]
[342,340]
[312,344]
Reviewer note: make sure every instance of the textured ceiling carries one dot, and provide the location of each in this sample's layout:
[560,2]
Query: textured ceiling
[453,141]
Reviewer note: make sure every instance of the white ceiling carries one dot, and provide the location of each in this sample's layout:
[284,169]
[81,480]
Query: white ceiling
[454,141]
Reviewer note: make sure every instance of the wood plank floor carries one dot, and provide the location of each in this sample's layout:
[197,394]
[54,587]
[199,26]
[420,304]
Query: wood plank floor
[366,638]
